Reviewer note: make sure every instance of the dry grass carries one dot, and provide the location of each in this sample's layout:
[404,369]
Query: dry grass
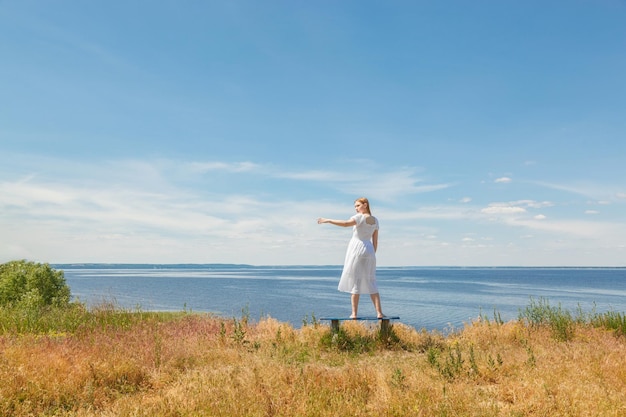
[196,365]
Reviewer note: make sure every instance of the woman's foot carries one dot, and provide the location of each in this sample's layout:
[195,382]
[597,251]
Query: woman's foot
[381,316]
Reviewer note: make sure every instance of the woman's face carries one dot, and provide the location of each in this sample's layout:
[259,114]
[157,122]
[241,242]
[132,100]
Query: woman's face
[360,207]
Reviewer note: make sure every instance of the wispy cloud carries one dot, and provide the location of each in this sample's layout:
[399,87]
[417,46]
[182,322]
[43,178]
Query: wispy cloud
[160,210]
[596,191]
[379,182]
[598,231]
[530,203]
[515,207]
[439,212]
[503,209]
[74,223]
[204,167]
[317,175]
[143,203]
[393,184]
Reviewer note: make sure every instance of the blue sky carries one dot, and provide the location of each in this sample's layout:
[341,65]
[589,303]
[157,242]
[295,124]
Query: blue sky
[483,132]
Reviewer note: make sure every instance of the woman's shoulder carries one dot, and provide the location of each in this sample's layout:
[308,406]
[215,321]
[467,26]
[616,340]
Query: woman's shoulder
[371,220]
[361,218]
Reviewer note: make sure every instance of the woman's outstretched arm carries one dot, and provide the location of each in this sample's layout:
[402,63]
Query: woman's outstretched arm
[342,223]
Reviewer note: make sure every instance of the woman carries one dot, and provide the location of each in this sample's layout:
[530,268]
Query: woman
[359,269]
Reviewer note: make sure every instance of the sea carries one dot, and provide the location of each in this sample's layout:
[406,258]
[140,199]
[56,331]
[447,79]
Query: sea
[431,298]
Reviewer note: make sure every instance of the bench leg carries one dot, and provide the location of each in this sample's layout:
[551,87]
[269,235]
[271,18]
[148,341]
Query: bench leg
[334,326]
[384,327]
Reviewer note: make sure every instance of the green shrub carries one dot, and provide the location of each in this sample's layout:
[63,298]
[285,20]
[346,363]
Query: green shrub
[32,285]
[541,313]
[612,320]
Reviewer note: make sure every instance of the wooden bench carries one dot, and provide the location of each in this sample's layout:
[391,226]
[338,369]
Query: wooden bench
[384,322]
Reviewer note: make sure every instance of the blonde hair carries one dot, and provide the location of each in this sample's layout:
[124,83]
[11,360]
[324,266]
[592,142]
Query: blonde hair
[364,200]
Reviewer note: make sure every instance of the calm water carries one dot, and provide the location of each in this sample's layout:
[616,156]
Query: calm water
[430,298]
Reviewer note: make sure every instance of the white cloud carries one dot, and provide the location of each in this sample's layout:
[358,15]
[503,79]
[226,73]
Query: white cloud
[74,224]
[592,212]
[315,175]
[172,211]
[380,184]
[588,229]
[224,166]
[503,180]
[497,209]
[389,185]
[429,213]
[600,192]
[515,207]
[151,211]
[23,192]
[533,204]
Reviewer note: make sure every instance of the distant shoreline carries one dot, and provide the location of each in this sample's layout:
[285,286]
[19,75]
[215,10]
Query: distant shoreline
[104,265]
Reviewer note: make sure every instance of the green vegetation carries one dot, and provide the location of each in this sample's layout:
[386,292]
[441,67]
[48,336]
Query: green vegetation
[28,284]
[63,359]
[563,323]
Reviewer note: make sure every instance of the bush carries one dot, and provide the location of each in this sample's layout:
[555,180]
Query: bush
[612,320]
[541,313]
[30,284]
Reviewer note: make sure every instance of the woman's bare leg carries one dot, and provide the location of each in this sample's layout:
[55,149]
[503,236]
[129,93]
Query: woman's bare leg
[377,306]
[355,305]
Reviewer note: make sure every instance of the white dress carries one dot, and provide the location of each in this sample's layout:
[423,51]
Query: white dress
[359,268]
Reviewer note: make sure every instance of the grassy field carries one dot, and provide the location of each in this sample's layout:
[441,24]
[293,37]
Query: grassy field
[112,362]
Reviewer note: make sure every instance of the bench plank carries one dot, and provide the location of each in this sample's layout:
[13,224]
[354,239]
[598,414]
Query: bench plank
[360,318]
[384,321]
